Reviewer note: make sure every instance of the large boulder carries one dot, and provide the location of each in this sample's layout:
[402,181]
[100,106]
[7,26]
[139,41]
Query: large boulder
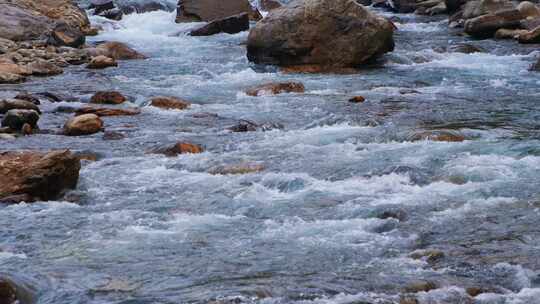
[65,35]
[60,10]
[20,24]
[31,176]
[209,10]
[9,78]
[230,25]
[336,33]
[11,104]
[85,124]
[101,62]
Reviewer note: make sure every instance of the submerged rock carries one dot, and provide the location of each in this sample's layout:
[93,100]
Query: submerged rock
[535,66]
[8,292]
[465,48]
[447,136]
[276,88]
[178,148]
[28,97]
[16,119]
[108,97]
[244,168]
[101,62]
[338,33]
[37,176]
[85,124]
[107,111]
[169,102]
[230,25]
[357,99]
[210,10]
[421,286]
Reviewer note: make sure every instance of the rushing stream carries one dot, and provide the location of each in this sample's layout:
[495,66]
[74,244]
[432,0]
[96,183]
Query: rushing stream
[346,195]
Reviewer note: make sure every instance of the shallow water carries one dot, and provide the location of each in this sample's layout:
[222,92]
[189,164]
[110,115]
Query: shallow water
[310,228]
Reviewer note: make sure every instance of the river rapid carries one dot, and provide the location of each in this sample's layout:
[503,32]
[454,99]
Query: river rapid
[348,201]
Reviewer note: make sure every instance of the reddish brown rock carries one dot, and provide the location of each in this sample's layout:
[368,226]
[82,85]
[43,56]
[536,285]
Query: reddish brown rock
[178,148]
[268,5]
[447,136]
[276,88]
[244,168]
[210,10]
[357,99]
[108,97]
[532,36]
[85,124]
[37,176]
[165,102]
[115,50]
[107,111]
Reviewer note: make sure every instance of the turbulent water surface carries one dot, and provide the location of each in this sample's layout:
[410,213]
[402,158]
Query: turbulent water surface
[346,195]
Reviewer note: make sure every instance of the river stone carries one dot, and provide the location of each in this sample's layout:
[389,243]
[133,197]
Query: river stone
[59,10]
[101,62]
[535,66]
[7,78]
[16,119]
[230,25]
[210,10]
[178,148]
[529,10]
[65,35]
[28,97]
[8,292]
[11,104]
[268,5]
[486,26]
[19,24]
[165,102]
[108,97]
[107,111]
[37,176]
[276,88]
[530,36]
[41,67]
[338,33]
[115,50]
[85,124]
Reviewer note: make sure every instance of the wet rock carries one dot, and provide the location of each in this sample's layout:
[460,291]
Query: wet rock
[111,135]
[236,169]
[357,99]
[210,10]
[8,78]
[529,10]
[115,50]
[268,5]
[476,291]
[100,6]
[65,35]
[112,14]
[178,148]
[36,175]
[509,34]
[9,67]
[403,6]
[8,292]
[42,67]
[276,88]
[408,300]
[244,126]
[465,48]
[438,136]
[27,97]
[7,46]
[18,23]
[65,109]
[85,124]
[420,286]
[169,102]
[107,111]
[27,129]
[108,97]
[230,25]
[486,26]
[140,7]
[65,11]
[89,156]
[15,119]
[530,36]
[399,215]
[338,33]
[101,62]
[12,104]
[430,256]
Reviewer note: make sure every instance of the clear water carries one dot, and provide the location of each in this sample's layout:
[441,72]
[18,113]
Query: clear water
[151,229]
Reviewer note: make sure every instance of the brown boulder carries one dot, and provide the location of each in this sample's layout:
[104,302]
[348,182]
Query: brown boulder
[65,35]
[336,33]
[486,26]
[276,88]
[101,62]
[107,111]
[115,50]
[357,99]
[108,97]
[169,103]
[85,124]
[62,10]
[37,176]
[447,136]
[210,10]
[535,66]
[42,67]
[178,148]
[268,5]
[20,24]
[230,25]
[7,78]
[530,36]
[13,68]
[420,286]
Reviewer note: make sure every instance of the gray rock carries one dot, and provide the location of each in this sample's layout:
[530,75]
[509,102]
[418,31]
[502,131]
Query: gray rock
[15,119]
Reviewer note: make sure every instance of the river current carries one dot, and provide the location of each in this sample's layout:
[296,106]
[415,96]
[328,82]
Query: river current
[346,198]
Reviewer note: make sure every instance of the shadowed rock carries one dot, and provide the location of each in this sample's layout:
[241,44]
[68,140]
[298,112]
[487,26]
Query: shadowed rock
[230,25]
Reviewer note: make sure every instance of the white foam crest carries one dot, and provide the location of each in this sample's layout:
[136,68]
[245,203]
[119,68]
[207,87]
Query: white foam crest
[5,255]
[473,206]
[334,233]
[524,296]
[422,27]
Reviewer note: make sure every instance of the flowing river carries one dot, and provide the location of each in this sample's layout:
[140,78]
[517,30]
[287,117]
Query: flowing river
[346,202]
